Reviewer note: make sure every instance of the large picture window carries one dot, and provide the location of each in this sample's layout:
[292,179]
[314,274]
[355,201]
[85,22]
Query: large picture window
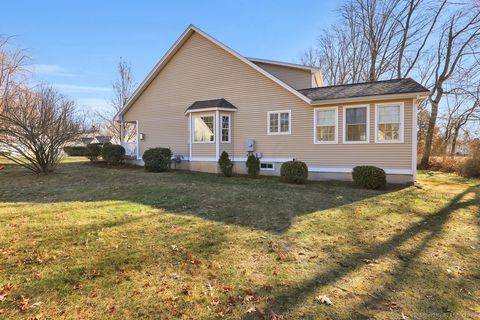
[326,125]
[203,129]
[225,133]
[356,124]
[389,123]
[279,122]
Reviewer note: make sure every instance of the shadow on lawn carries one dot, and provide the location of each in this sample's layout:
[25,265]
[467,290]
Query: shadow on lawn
[431,225]
[264,204]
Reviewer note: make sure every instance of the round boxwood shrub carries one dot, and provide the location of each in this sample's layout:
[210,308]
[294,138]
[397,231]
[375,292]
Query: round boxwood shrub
[113,153]
[294,171]
[253,165]
[157,159]
[369,177]
[75,151]
[94,150]
[226,165]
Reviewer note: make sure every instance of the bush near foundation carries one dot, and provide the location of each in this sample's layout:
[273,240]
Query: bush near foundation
[294,172]
[369,177]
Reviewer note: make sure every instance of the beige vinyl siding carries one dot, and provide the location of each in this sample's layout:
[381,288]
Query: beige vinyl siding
[296,78]
[201,70]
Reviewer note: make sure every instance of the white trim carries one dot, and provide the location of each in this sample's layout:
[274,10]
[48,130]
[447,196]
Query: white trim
[418,95]
[315,126]
[190,136]
[178,44]
[229,127]
[216,134]
[205,159]
[283,64]
[243,159]
[289,122]
[345,123]
[138,141]
[210,109]
[402,121]
[214,123]
[122,132]
[414,138]
[267,169]
[349,170]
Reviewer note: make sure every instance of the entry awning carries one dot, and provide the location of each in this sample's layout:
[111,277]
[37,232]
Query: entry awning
[211,105]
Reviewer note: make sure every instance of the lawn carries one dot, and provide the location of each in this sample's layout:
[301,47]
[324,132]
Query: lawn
[96,243]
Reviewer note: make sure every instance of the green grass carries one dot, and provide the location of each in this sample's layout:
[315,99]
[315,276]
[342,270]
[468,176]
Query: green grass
[95,243]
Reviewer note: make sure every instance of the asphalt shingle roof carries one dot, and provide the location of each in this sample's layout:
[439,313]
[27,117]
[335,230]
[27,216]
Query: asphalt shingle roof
[365,89]
[215,103]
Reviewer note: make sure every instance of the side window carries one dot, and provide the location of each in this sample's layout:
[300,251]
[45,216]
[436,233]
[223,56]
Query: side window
[203,129]
[356,124]
[389,123]
[326,122]
[225,133]
[279,122]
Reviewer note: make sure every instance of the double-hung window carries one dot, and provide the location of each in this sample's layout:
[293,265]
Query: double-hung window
[356,124]
[225,132]
[389,123]
[279,122]
[326,120]
[203,128]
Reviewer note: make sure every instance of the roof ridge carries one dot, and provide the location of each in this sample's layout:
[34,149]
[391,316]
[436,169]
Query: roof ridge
[358,83]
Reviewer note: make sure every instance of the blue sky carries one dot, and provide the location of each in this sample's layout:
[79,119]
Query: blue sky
[76,45]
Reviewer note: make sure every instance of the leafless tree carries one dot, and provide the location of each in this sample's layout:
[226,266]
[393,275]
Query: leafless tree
[457,45]
[35,125]
[123,89]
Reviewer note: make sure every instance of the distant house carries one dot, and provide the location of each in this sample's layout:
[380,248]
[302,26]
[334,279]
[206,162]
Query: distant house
[203,98]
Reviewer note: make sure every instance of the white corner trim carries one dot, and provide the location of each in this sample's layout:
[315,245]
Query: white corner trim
[345,123]
[289,122]
[190,136]
[414,138]
[217,126]
[138,141]
[402,122]
[203,159]
[349,170]
[315,125]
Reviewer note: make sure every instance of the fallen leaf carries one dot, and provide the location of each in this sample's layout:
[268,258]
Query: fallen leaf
[324,300]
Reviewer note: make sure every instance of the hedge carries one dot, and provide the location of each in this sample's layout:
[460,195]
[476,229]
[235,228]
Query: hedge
[76,151]
[113,153]
[157,159]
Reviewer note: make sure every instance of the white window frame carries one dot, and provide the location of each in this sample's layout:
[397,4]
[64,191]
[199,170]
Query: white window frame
[402,121]
[214,127]
[289,122]
[345,123]
[267,169]
[315,141]
[229,127]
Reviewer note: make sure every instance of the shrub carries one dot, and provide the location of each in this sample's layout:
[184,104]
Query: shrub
[94,150]
[226,165]
[445,164]
[113,153]
[76,151]
[253,165]
[157,159]
[369,177]
[471,168]
[294,171]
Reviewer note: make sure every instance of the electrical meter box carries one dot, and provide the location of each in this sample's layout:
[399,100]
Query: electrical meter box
[249,145]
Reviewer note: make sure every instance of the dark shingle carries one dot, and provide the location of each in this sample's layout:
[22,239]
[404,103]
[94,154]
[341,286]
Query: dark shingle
[215,103]
[376,88]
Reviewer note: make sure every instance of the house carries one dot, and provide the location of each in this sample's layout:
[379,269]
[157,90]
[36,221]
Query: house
[203,98]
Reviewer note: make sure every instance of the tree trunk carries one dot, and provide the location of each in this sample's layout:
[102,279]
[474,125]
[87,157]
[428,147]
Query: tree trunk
[454,141]
[429,138]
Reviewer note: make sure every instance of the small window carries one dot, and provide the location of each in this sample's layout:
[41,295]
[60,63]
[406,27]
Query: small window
[356,124]
[279,122]
[225,128]
[267,166]
[389,126]
[326,125]
[203,129]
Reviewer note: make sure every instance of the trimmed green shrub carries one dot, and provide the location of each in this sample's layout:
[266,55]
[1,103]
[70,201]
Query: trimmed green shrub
[294,172]
[113,153]
[76,151]
[253,165]
[471,168]
[94,150]
[369,177]
[157,159]
[226,165]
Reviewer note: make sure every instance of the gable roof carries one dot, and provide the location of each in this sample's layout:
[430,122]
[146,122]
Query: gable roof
[178,44]
[218,104]
[365,89]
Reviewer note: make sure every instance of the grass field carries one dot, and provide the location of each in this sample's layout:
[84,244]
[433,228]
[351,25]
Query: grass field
[96,243]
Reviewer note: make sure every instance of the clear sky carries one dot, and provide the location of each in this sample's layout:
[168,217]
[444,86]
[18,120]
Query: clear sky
[76,45]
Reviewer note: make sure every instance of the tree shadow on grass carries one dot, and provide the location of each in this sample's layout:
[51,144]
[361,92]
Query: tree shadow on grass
[432,224]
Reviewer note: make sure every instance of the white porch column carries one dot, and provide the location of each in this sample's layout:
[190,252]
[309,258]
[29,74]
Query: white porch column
[190,136]
[217,135]
[122,133]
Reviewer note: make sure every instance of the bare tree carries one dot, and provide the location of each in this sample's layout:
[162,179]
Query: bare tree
[35,125]
[123,89]
[458,43]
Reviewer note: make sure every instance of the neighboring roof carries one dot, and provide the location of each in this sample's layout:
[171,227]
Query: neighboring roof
[178,44]
[365,89]
[218,104]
